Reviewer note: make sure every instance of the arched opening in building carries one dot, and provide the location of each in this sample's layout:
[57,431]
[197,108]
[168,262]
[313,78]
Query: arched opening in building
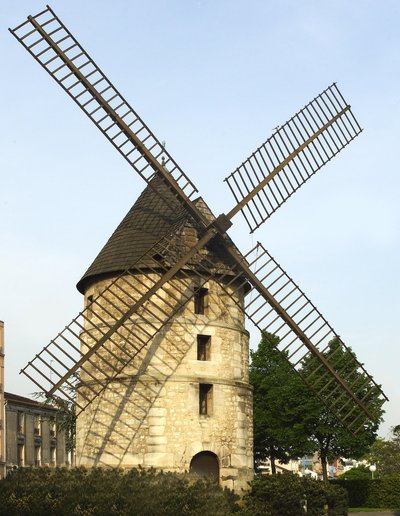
[205,464]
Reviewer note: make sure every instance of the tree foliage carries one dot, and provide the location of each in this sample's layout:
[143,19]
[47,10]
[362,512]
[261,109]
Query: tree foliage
[331,438]
[290,420]
[386,454]
[280,405]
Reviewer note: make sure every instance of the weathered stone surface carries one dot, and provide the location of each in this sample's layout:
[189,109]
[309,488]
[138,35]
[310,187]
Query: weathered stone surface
[149,415]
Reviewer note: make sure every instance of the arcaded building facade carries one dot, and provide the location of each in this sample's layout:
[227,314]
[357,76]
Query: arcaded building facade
[34,435]
[183,403]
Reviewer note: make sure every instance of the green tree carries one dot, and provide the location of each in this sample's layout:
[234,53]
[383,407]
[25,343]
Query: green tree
[386,453]
[280,406]
[290,420]
[331,438]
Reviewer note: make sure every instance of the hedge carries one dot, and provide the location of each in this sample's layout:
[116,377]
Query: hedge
[113,492]
[106,492]
[382,492]
[291,495]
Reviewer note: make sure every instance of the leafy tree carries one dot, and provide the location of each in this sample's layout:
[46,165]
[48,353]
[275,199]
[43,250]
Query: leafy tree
[289,420]
[386,453]
[280,406]
[331,438]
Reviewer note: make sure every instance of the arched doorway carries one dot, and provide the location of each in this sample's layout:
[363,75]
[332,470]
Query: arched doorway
[205,464]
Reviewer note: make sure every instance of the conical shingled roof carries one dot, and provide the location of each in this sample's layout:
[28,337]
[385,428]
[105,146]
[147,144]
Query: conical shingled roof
[151,217]
[155,214]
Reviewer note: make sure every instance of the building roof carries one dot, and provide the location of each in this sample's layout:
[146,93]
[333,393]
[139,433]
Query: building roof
[152,215]
[9,397]
[155,213]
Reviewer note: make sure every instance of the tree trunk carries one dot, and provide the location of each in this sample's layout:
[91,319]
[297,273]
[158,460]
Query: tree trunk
[324,465]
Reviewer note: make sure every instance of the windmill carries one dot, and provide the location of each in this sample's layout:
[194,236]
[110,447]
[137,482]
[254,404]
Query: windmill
[170,283]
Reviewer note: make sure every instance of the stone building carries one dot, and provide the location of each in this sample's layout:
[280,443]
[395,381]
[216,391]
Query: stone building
[184,402]
[33,434]
[30,433]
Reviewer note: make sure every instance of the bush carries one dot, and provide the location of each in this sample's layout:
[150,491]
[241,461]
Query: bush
[113,492]
[106,492]
[275,495]
[290,495]
[382,492]
[337,499]
[357,473]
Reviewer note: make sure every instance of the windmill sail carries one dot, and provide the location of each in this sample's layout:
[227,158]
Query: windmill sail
[306,337]
[103,341]
[294,153]
[48,40]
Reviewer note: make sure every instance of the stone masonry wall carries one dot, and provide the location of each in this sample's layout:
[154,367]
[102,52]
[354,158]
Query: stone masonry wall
[149,415]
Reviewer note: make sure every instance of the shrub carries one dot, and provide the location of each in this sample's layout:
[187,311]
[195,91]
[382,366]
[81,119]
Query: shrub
[337,499]
[357,473]
[357,490]
[113,492]
[106,492]
[275,495]
[383,492]
[290,495]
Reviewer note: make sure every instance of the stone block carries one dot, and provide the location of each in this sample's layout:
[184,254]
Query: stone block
[157,412]
[156,430]
[158,460]
[156,420]
[156,440]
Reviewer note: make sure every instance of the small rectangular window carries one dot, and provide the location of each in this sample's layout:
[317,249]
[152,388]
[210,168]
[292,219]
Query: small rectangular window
[36,425]
[203,347]
[52,456]
[20,455]
[37,455]
[52,427]
[89,306]
[200,300]
[20,422]
[205,399]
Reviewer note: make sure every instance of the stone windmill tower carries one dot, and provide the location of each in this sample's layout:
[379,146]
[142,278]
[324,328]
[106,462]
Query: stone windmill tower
[184,402]
[156,363]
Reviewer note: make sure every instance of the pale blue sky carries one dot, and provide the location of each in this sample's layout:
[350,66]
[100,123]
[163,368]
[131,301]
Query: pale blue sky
[212,78]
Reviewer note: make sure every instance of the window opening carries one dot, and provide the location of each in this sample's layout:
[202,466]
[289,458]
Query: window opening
[20,455]
[36,425]
[205,399]
[52,426]
[90,306]
[203,347]
[200,300]
[20,422]
[52,456]
[37,455]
